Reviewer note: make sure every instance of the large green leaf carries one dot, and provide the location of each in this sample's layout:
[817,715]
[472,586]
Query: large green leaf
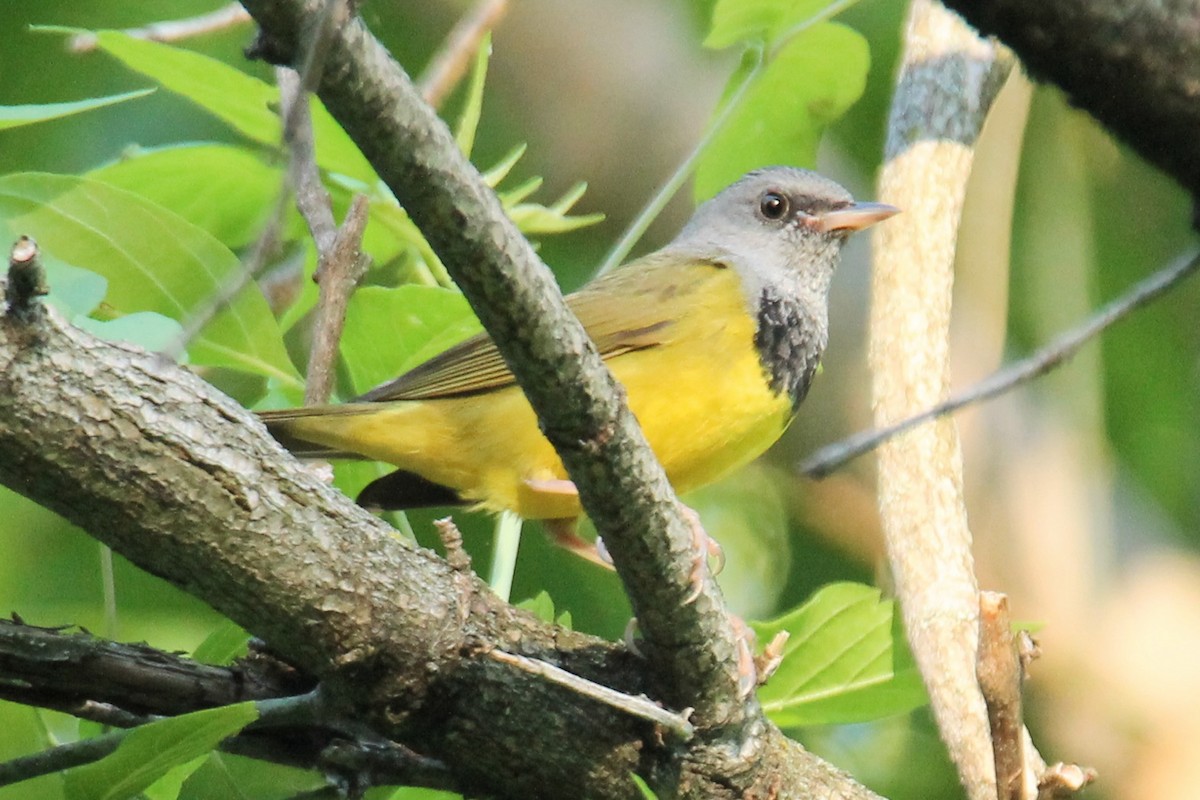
[845,661]
[16,116]
[805,86]
[228,191]
[150,752]
[389,331]
[153,260]
[248,105]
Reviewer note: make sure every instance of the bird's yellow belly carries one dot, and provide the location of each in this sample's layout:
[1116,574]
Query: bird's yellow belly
[705,409]
[701,396]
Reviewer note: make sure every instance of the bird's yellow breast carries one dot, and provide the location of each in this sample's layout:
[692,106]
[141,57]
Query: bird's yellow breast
[701,396]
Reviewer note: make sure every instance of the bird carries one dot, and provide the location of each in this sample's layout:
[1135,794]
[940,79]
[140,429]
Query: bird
[716,339]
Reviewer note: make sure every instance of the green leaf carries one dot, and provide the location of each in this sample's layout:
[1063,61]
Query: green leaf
[846,661]
[643,787]
[415,322]
[223,646]
[226,190]
[413,793]
[513,196]
[146,329]
[16,116]
[245,103]
[504,166]
[468,120]
[534,219]
[74,291]
[170,785]
[803,88]
[540,605]
[153,260]
[151,751]
[765,21]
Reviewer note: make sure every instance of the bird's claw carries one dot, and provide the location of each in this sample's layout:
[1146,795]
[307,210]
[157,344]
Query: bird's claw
[704,548]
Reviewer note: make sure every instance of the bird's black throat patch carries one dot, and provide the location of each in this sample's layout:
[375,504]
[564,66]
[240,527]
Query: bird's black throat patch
[788,343]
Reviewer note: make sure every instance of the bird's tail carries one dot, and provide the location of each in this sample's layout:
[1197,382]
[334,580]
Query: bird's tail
[283,424]
[396,490]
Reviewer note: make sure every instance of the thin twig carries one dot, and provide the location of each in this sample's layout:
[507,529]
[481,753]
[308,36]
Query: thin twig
[450,62]
[999,673]
[456,556]
[311,198]
[334,13]
[281,712]
[172,30]
[341,263]
[26,280]
[830,458]
[269,239]
[59,758]
[340,269]
[640,707]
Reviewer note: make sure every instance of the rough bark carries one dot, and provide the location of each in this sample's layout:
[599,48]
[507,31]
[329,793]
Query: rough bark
[1132,64]
[690,644]
[186,484]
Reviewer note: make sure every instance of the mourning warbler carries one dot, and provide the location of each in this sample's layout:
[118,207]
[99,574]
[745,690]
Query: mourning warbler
[715,337]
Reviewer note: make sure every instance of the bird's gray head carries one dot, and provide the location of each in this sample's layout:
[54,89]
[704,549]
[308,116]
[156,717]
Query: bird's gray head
[782,229]
[780,223]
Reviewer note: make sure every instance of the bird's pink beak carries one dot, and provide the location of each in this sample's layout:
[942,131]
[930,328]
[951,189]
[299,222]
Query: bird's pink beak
[854,217]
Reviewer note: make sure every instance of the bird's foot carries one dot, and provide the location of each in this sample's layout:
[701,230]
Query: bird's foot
[705,547]
[562,533]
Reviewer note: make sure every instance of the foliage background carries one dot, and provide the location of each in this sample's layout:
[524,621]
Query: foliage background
[1081,488]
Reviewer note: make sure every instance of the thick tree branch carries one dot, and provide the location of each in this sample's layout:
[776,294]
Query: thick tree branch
[948,79]
[692,646]
[1133,64]
[48,668]
[186,484]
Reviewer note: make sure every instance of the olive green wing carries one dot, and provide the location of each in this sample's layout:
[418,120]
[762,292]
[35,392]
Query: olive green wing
[631,308]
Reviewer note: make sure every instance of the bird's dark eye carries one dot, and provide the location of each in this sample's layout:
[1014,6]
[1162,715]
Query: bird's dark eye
[773,205]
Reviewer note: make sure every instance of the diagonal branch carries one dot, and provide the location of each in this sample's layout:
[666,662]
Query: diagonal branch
[1133,64]
[692,646]
[948,79]
[1045,359]
[187,485]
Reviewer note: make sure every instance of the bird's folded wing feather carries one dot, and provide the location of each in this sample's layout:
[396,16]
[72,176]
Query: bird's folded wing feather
[630,309]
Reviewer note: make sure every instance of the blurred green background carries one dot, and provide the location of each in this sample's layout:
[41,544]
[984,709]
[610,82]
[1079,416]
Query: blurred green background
[1081,488]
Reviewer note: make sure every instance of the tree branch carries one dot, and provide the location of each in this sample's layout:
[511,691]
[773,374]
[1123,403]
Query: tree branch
[186,484]
[948,79]
[1133,64]
[692,646]
[48,668]
[1054,354]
